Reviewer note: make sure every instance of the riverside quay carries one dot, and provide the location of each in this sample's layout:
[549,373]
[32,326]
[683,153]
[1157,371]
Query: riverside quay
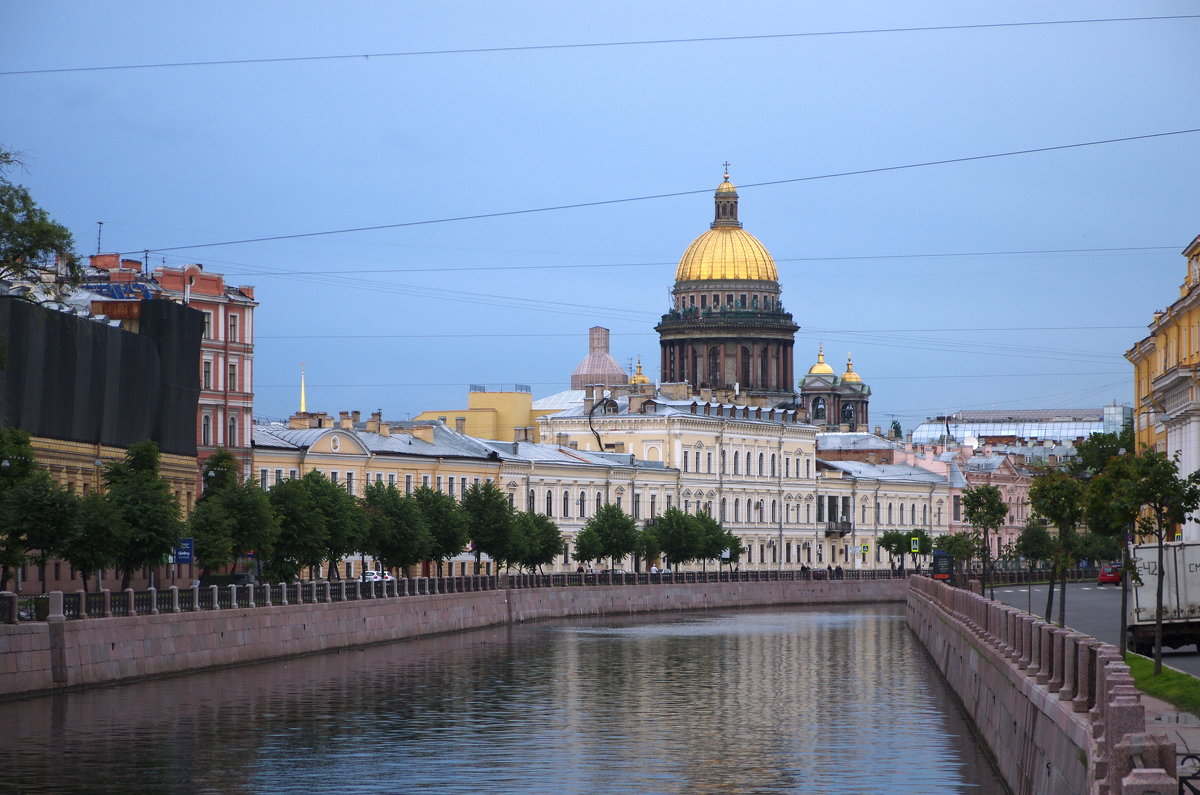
[1055,710]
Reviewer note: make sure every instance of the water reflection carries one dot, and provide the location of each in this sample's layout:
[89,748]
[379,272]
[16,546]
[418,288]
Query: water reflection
[804,700]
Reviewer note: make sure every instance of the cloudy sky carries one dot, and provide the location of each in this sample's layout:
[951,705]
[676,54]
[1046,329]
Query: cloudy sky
[1007,282]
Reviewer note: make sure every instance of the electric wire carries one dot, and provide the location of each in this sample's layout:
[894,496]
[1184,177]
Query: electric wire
[589,45]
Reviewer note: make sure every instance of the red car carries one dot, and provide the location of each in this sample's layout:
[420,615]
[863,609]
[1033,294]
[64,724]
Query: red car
[1108,574]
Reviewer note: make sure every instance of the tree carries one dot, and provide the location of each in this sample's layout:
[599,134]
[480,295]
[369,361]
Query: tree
[678,536]
[616,530]
[587,546]
[220,471]
[1167,500]
[148,512]
[540,540]
[489,521]
[211,528]
[898,543]
[302,531]
[40,514]
[397,533]
[94,536]
[984,509]
[446,522]
[345,523]
[1035,541]
[1058,497]
[713,539]
[963,547]
[30,242]
[1112,508]
[233,518]
[648,546]
[1093,454]
[17,464]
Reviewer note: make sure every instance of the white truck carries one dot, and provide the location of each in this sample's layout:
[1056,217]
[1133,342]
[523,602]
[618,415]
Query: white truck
[1181,596]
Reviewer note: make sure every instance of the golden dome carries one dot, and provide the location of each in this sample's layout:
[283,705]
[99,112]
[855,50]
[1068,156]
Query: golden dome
[639,377]
[726,253]
[821,367]
[851,377]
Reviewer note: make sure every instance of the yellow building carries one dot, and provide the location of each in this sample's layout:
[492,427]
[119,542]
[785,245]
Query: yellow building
[1166,367]
[489,415]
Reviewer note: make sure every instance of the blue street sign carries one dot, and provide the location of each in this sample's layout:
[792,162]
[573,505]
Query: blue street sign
[183,553]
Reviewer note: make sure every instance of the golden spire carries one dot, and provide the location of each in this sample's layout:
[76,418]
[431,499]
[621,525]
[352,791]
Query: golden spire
[303,409]
[821,367]
[639,377]
[850,376]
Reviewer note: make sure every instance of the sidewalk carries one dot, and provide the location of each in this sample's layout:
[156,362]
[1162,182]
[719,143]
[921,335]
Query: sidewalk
[1182,727]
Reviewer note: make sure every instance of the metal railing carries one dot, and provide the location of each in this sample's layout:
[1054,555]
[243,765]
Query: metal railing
[16,608]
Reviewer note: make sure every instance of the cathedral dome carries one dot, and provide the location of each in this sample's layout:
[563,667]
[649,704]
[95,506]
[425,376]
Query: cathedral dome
[639,377]
[850,377]
[726,251]
[821,367]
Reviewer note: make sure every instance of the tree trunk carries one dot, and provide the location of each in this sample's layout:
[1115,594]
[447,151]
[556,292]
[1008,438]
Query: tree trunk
[126,576]
[1124,598]
[4,575]
[1050,595]
[1158,601]
[1062,599]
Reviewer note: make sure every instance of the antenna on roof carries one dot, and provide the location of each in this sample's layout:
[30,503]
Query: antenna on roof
[99,229]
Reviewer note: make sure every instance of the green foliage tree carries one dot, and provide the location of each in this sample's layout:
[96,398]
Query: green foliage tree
[1167,499]
[345,523]
[1093,454]
[397,533]
[30,241]
[587,546]
[540,540]
[1059,498]
[220,471]
[211,528]
[648,547]
[1035,542]
[713,539]
[41,515]
[447,524]
[301,542]
[149,514]
[1112,508]
[93,537]
[678,536]
[1097,547]
[17,464]
[963,546]
[616,530]
[489,521]
[898,543]
[984,509]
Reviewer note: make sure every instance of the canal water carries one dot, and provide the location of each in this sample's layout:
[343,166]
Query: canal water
[810,700]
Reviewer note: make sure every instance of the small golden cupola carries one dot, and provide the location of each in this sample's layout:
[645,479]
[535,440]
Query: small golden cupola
[821,367]
[850,377]
[639,377]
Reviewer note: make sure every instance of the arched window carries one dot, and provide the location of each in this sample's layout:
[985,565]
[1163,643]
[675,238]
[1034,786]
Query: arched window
[599,504]
[736,458]
[818,408]
[889,521]
[848,414]
[762,462]
[912,513]
[723,469]
[231,439]
[206,430]
[774,508]
[924,514]
[737,510]
[582,505]
[772,465]
[549,502]
[529,504]
[722,509]
[566,511]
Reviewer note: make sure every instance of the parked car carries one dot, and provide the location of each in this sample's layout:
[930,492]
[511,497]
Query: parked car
[369,576]
[1108,574]
[613,571]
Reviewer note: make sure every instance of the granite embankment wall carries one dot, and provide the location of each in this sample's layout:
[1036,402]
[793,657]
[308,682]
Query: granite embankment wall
[1057,709]
[58,653]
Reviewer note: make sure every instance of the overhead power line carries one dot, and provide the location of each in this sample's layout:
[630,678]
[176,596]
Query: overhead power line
[671,195]
[587,45]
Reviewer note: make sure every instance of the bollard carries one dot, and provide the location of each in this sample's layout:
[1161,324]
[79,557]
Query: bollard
[216,602]
[56,607]
[130,603]
[82,597]
[174,599]
[283,593]
[153,600]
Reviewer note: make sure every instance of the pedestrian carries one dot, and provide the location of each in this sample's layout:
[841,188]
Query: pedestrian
[579,570]
[654,569]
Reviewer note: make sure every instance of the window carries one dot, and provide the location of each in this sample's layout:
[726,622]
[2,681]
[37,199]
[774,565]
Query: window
[233,327]
[654,505]
[889,521]
[818,408]
[391,478]
[772,465]
[424,481]
[231,439]
[957,508]
[736,457]
[333,476]
[462,486]
[737,510]
[722,509]
[820,510]
[278,475]
[450,486]
[549,503]
[350,482]
[408,483]
[864,513]
[206,430]
[599,497]
[582,504]
[206,375]
[293,474]
[566,504]
[761,468]
[208,334]
[637,505]
[529,502]
[708,463]
[378,478]
[685,460]
[787,467]
[262,478]
[439,483]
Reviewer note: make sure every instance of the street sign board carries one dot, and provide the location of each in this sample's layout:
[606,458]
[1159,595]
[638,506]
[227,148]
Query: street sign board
[916,543]
[866,549]
[183,552]
[943,565]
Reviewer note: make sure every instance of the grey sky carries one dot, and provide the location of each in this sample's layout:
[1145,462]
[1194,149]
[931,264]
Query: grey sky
[405,319]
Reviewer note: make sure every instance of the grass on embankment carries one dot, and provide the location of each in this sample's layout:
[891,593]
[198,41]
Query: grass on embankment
[1173,687]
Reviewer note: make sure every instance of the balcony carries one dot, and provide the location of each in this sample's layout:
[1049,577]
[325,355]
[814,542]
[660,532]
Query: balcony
[838,529]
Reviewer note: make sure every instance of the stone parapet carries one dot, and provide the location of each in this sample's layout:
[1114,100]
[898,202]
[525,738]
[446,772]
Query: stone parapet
[1056,709]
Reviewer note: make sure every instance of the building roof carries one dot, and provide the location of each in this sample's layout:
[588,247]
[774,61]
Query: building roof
[854,441]
[1064,425]
[726,251]
[895,473]
[659,406]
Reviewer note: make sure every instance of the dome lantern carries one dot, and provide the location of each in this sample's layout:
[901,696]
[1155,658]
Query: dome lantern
[821,367]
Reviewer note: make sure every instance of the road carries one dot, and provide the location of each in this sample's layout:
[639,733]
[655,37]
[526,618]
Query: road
[1095,611]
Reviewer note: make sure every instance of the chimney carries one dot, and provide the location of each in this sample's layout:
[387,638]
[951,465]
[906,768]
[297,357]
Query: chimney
[561,439]
[636,402]
[706,395]
[574,445]
[460,425]
[375,421]
[355,416]
[105,262]
[385,429]
[422,432]
[323,420]
[877,431]
[521,434]
[298,421]
[344,420]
